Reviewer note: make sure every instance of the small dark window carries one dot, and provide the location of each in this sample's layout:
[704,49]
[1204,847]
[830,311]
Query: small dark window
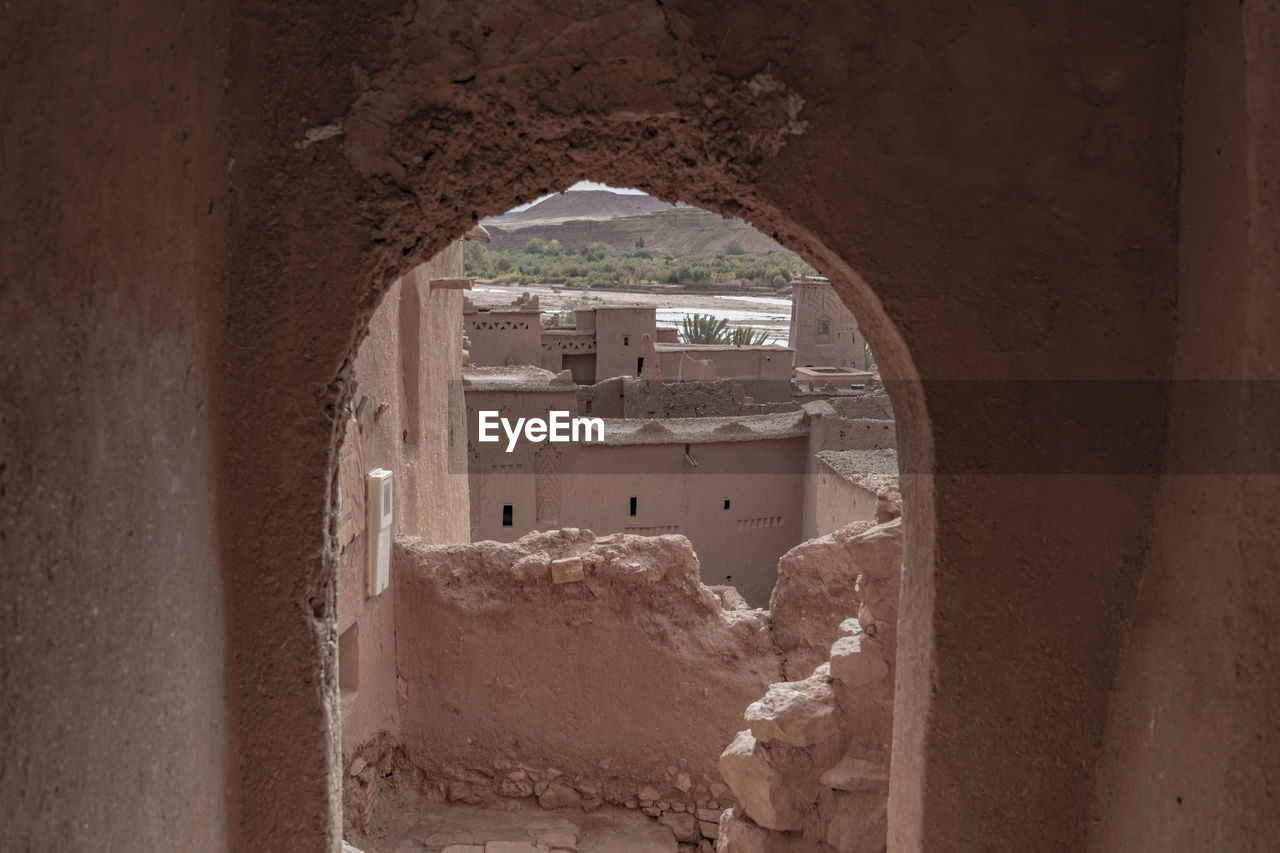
[726,504]
[633,506]
[639,365]
[626,340]
[588,407]
[824,329]
[506,515]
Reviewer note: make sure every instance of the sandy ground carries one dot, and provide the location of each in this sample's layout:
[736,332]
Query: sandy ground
[418,826]
[771,313]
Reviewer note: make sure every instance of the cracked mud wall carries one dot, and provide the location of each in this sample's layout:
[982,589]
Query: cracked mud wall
[605,659]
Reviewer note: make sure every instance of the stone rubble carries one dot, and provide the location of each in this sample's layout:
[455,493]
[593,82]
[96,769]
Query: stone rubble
[811,772]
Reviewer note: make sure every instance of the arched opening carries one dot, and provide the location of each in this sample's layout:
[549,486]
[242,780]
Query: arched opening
[532,514]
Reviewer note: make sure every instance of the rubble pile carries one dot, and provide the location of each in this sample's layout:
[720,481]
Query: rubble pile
[811,770]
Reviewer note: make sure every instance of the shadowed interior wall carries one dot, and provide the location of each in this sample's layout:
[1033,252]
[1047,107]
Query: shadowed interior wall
[1192,755]
[113,211]
[995,185]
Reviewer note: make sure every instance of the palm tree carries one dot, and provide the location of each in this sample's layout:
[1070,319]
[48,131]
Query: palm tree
[705,329]
[745,336]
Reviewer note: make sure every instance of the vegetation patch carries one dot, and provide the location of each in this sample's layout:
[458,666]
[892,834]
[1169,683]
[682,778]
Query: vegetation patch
[597,265]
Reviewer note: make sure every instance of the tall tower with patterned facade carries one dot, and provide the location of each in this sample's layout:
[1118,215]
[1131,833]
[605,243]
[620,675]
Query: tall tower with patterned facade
[824,332]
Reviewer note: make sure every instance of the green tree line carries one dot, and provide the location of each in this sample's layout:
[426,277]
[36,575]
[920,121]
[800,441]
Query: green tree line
[601,266]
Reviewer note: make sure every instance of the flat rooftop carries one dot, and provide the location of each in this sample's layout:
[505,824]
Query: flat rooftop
[618,431]
[522,377]
[663,346]
[874,470]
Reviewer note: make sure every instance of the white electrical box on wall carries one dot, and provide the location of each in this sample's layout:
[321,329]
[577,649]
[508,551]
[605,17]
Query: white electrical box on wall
[377,507]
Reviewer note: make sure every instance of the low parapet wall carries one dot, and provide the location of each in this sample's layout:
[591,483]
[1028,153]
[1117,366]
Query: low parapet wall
[602,667]
[580,671]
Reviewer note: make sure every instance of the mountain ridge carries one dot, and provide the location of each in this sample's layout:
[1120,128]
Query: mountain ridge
[623,221]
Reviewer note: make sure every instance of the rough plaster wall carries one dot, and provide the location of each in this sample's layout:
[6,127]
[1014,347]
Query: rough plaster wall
[613,358]
[434,455]
[607,399]
[1001,176]
[612,678]
[113,208]
[412,362]
[844,343]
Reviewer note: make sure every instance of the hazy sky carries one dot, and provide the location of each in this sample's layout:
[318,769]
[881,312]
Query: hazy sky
[580,185]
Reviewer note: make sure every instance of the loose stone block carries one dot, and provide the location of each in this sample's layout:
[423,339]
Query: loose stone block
[567,570]
[858,661]
[682,825]
[558,796]
[796,713]
[759,787]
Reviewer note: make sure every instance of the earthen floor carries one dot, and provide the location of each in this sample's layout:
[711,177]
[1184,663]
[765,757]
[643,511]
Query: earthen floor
[418,826]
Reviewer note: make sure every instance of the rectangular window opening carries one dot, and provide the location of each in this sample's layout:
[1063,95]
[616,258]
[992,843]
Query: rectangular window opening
[726,503]
[633,506]
[506,515]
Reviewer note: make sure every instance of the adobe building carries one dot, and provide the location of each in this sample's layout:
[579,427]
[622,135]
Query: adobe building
[603,342]
[744,490]
[608,341]
[508,499]
[824,333]
[204,205]
[764,370]
[504,335]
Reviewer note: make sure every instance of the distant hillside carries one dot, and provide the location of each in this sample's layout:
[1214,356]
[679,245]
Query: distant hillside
[619,220]
[580,204]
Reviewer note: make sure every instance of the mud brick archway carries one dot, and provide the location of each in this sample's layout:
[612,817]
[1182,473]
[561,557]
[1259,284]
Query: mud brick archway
[982,198]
